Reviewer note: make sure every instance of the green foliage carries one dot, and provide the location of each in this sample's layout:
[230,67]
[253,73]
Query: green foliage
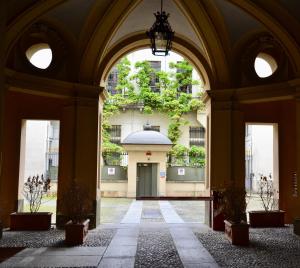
[171,101]
[197,156]
[179,155]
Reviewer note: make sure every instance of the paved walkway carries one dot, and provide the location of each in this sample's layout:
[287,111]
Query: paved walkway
[149,235]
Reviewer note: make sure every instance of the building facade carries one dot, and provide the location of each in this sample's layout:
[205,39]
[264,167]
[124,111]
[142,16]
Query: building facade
[176,180]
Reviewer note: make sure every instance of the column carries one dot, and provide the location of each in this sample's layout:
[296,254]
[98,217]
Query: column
[2,91]
[296,193]
[80,150]
[132,174]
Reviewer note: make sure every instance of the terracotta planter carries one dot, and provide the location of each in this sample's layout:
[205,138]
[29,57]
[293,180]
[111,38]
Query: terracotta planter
[237,233]
[297,226]
[218,222]
[26,221]
[76,232]
[1,229]
[267,218]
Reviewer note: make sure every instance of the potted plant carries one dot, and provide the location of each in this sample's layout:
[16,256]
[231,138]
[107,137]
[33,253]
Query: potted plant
[297,226]
[270,216]
[76,205]
[236,227]
[35,188]
[218,210]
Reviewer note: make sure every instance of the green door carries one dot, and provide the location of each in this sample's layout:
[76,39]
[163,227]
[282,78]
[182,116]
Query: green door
[146,180]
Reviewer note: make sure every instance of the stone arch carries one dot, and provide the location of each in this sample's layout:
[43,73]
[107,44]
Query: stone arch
[140,41]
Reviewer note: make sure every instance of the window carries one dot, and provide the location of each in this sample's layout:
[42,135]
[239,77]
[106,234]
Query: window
[155,128]
[112,81]
[39,55]
[156,66]
[115,133]
[183,88]
[197,136]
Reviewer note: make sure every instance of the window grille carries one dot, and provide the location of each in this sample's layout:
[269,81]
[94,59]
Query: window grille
[197,136]
[112,81]
[115,134]
[154,81]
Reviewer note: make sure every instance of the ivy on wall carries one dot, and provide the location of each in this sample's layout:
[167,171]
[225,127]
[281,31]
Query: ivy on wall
[172,101]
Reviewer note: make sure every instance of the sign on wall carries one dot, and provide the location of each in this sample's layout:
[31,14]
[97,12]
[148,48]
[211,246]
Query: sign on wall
[111,171]
[162,174]
[181,171]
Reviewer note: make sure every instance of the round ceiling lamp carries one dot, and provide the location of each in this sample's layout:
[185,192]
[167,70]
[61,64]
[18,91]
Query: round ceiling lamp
[161,34]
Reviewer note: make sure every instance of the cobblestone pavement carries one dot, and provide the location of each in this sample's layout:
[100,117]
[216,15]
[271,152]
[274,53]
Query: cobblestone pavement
[269,247]
[156,249]
[53,238]
[155,234]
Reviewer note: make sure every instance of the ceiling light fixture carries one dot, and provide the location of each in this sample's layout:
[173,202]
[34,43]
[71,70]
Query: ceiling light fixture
[161,34]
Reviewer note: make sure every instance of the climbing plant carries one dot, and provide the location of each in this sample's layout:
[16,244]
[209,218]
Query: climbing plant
[174,99]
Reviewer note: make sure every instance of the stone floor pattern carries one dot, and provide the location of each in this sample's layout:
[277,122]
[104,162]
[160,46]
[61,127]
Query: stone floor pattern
[151,234]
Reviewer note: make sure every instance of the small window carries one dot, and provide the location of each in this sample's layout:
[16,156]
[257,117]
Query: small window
[40,55]
[265,65]
[197,136]
[154,128]
[115,134]
[184,88]
[112,81]
[156,66]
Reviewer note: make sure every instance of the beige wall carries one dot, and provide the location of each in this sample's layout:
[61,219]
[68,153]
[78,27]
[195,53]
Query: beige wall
[188,189]
[114,189]
[133,120]
[137,154]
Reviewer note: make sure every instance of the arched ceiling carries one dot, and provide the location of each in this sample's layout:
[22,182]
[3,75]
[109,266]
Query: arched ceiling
[142,18]
[213,27]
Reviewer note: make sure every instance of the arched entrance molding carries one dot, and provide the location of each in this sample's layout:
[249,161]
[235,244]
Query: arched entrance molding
[140,41]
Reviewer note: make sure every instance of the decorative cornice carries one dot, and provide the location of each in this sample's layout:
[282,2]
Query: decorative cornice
[31,84]
[270,92]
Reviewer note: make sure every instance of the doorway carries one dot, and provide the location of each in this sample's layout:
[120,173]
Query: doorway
[39,156]
[261,162]
[146,180]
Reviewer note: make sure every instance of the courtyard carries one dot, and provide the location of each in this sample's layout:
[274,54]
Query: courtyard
[151,234]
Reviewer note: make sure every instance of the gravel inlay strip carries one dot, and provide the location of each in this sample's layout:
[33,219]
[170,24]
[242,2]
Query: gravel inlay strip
[269,247]
[156,249]
[53,238]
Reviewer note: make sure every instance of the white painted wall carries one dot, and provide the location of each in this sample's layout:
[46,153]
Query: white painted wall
[134,120]
[262,149]
[146,54]
[35,147]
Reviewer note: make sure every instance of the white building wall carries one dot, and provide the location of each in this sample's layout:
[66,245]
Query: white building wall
[146,54]
[134,120]
[262,149]
[35,148]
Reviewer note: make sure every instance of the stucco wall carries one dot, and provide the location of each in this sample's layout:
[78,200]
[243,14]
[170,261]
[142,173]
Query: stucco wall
[134,120]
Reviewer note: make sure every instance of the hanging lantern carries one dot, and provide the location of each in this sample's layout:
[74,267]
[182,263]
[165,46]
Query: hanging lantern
[161,34]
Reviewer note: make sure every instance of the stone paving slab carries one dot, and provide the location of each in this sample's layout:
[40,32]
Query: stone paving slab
[168,212]
[134,213]
[191,251]
[117,263]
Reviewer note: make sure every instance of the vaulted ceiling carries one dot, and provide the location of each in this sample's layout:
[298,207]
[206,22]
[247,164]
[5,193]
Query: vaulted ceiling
[211,29]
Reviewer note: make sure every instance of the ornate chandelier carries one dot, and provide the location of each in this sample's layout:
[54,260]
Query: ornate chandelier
[161,34]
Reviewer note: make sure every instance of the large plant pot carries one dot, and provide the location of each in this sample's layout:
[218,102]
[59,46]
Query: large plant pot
[26,221]
[297,226]
[76,232]
[237,233]
[218,222]
[1,229]
[262,219]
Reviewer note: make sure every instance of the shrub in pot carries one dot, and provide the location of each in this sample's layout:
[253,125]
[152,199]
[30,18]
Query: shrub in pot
[297,226]
[236,227]
[76,205]
[269,217]
[35,188]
